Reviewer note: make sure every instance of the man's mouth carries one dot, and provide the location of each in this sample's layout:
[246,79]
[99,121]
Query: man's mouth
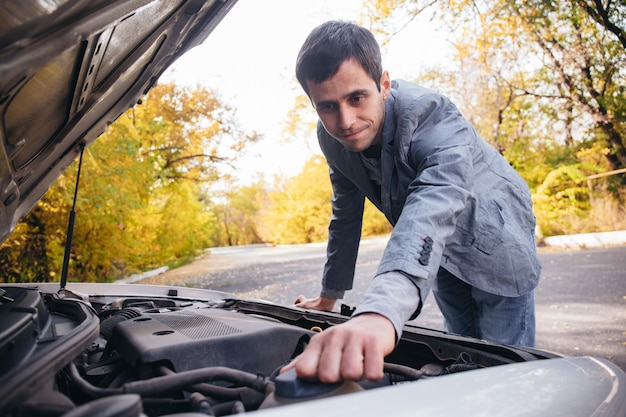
[352,135]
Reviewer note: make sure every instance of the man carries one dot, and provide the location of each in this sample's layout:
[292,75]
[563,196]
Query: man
[463,220]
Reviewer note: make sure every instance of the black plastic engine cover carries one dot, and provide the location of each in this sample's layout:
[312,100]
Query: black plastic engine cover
[190,339]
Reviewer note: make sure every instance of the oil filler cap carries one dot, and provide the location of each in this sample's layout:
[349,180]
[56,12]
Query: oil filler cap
[288,385]
[289,389]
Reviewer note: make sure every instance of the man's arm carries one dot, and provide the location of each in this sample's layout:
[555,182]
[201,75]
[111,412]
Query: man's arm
[344,235]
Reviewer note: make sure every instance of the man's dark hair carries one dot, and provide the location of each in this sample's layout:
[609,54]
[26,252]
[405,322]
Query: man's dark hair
[329,45]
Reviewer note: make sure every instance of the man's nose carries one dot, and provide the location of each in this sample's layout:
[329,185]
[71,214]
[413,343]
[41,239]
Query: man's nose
[347,117]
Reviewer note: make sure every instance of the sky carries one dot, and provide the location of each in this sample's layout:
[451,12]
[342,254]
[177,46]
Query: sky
[249,59]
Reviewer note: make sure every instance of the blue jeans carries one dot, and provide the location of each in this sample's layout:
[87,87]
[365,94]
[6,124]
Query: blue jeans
[471,312]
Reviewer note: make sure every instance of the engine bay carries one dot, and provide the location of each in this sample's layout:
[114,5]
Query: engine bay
[158,356]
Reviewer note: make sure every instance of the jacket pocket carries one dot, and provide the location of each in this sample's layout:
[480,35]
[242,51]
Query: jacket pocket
[490,228]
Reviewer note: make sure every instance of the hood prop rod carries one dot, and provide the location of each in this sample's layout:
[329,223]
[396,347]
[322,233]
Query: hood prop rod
[70,225]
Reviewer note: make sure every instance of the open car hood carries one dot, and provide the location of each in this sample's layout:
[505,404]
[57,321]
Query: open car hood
[74,66]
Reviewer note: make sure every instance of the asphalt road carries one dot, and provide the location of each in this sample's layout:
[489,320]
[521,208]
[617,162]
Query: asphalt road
[580,301]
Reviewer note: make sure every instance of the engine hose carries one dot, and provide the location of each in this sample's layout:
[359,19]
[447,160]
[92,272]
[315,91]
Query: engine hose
[206,389]
[107,325]
[86,388]
[200,404]
[182,379]
[406,372]
[160,384]
[229,408]
[249,397]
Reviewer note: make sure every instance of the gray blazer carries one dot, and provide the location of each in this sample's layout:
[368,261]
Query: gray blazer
[454,201]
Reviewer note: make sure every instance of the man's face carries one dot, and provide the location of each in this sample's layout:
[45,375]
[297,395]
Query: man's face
[350,106]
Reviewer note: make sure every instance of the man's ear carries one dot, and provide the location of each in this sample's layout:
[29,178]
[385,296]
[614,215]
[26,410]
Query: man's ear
[385,84]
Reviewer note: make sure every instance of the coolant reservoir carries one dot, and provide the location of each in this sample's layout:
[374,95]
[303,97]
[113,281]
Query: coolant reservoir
[290,389]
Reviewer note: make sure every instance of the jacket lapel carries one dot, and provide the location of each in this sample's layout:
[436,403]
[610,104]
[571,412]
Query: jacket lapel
[388,158]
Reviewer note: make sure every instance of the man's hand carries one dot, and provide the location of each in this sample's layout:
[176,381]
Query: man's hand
[351,350]
[317,303]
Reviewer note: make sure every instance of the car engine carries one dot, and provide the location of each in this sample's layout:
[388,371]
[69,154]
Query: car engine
[69,355]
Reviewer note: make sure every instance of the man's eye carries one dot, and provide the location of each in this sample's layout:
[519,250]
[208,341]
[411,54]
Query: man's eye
[357,99]
[325,108]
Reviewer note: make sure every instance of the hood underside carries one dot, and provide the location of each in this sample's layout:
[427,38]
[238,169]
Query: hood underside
[69,68]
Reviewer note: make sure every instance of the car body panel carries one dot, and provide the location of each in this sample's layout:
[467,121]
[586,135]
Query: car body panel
[572,387]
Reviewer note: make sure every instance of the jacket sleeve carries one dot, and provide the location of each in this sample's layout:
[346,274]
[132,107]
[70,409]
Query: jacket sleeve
[344,234]
[395,296]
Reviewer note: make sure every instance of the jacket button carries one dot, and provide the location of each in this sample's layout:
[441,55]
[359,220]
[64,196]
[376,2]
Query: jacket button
[424,259]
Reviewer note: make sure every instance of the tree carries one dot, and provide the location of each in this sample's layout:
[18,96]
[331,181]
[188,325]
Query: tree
[298,208]
[141,202]
[187,133]
[185,224]
[566,56]
[587,61]
[237,213]
[543,81]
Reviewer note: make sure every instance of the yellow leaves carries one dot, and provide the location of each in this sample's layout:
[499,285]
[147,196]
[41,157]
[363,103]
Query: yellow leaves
[562,194]
[386,7]
[566,202]
[374,221]
[299,208]
[301,120]
[186,131]
[594,155]
[140,204]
